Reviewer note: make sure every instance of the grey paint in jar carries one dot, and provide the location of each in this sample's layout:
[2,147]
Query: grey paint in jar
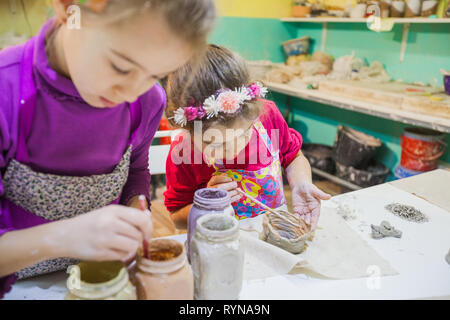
[217,258]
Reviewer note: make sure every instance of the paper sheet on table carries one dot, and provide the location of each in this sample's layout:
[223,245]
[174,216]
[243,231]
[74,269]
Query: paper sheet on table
[336,252]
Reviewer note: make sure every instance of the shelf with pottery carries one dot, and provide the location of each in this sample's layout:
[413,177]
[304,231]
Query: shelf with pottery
[408,117]
[373,23]
[365,20]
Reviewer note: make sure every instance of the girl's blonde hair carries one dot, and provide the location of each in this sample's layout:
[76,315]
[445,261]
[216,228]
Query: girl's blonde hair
[218,68]
[190,19]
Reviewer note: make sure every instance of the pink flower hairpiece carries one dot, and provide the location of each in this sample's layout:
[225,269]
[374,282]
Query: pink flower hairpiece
[223,101]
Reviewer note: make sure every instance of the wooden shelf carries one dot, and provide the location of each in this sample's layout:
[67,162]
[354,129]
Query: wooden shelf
[421,120]
[364,20]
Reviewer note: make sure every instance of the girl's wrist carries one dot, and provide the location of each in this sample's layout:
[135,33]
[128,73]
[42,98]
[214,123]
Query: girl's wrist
[55,240]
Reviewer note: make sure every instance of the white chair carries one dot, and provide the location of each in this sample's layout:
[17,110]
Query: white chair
[157,155]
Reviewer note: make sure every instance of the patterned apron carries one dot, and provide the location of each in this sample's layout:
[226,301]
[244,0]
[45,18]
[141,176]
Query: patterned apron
[55,197]
[266,184]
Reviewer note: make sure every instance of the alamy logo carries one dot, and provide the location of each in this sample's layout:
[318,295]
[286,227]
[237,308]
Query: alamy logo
[74,17]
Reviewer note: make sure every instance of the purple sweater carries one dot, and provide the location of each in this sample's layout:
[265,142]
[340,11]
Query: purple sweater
[68,136]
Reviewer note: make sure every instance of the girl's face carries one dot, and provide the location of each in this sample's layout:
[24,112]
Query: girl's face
[112,63]
[220,142]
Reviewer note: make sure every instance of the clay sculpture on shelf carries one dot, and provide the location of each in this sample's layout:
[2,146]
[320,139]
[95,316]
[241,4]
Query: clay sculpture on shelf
[385,230]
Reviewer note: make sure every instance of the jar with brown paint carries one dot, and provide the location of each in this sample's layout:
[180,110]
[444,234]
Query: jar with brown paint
[99,281]
[164,274]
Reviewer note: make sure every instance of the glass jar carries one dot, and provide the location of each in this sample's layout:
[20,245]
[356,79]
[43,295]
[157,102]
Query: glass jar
[165,275]
[99,281]
[217,258]
[207,200]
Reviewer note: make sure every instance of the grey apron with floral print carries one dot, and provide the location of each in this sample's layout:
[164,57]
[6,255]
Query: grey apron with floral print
[55,197]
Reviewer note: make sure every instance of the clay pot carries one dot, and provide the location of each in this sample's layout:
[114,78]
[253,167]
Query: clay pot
[288,236]
[301,11]
[413,8]
[429,7]
[385,8]
[319,156]
[397,9]
[296,47]
[354,148]
[375,173]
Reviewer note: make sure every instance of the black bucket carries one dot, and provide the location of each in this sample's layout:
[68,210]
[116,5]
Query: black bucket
[375,173]
[354,148]
[319,156]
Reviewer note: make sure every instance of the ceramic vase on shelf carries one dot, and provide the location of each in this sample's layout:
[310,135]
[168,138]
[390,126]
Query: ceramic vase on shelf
[413,8]
[429,7]
[358,11]
[385,8]
[397,9]
[300,11]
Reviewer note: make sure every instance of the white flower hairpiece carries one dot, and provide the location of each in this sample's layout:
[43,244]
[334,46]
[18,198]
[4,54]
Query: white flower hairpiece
[225,101]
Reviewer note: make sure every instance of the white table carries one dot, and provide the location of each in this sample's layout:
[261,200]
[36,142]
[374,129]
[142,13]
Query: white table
[419,258]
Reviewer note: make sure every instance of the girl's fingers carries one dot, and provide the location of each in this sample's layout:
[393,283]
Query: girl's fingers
[219,179]
[128,230]
[306,217]
[228,186]
[140,220]
[125,244]
[115,255]
[319,194]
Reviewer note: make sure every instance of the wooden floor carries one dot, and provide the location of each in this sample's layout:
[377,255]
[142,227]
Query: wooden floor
[163,225]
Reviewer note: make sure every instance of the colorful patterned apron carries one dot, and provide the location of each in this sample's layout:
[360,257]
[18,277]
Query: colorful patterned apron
[55,197]
[266,184]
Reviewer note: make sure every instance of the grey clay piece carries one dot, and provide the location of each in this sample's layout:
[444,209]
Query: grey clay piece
[385,230]
[448,257]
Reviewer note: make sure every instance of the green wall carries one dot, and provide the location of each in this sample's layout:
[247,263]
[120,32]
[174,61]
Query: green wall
[428,50]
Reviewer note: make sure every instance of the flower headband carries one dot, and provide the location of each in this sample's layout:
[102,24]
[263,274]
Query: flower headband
[223,101]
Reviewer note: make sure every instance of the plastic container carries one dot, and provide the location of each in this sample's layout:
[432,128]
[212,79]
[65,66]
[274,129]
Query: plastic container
[446,74]
[401,173]
[421,148]
[166,275]
[217,258]
[375,173]
[99,281]
[354,148]
[208,200]
[298,46]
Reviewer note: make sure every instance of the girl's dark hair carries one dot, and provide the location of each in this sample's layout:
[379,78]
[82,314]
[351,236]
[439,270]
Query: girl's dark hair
[218,68]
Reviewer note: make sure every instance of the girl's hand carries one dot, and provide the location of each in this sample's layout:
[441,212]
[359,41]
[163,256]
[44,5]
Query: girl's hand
[306,202]
[110,233]
[222,181]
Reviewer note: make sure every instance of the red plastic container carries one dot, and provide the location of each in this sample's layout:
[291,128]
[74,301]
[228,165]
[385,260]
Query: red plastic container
[421,148]
[164,125]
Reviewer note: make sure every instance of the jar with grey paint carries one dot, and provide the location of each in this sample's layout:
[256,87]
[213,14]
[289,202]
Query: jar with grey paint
[217,258]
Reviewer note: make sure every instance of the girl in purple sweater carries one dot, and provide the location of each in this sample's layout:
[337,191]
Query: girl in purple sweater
[79,107]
